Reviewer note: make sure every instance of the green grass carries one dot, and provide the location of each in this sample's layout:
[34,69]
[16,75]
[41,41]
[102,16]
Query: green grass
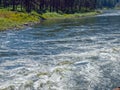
[54,15]
[10,19]
[15,20]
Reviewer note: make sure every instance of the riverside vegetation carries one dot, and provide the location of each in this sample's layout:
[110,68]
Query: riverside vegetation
[14,19]
[19,13]
[10,19]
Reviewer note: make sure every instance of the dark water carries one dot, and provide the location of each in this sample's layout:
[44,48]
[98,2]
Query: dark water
[76,54]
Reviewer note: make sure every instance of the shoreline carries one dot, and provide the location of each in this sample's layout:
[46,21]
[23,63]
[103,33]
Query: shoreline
[54,15]
[18,20]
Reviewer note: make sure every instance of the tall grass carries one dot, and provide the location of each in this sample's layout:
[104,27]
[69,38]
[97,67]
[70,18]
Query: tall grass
[54,15]
[10,19]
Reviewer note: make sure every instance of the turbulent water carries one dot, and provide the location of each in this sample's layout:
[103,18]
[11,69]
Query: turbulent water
[78,54]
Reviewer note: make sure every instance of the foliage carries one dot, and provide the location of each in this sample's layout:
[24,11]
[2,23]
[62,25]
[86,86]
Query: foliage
[63,6]
[41,6]
[10,19]
[106,3]
[54,15]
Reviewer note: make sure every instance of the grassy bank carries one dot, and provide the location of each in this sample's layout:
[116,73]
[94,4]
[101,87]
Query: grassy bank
[54,15]
[14,20]
[10,19]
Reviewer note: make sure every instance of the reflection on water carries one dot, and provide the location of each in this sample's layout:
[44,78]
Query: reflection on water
[76,54]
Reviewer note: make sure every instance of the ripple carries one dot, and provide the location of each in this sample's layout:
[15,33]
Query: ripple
[83,55]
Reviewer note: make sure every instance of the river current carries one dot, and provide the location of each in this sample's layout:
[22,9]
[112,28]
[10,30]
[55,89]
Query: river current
[76,54]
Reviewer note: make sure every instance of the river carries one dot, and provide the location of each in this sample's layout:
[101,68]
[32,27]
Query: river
[76,54]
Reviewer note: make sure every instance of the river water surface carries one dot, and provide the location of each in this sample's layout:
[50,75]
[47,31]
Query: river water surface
[77,54]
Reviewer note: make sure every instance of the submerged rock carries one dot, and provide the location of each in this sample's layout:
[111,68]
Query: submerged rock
[8,88]
[27,86]
[42,74]
[65,63]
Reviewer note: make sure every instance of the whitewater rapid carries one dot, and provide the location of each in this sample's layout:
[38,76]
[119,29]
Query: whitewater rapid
[68,55]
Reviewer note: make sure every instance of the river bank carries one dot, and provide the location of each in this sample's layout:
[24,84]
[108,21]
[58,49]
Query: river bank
[74,54]
[16,20]
[55,15]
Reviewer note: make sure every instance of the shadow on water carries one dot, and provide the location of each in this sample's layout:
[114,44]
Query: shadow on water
[65,22]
